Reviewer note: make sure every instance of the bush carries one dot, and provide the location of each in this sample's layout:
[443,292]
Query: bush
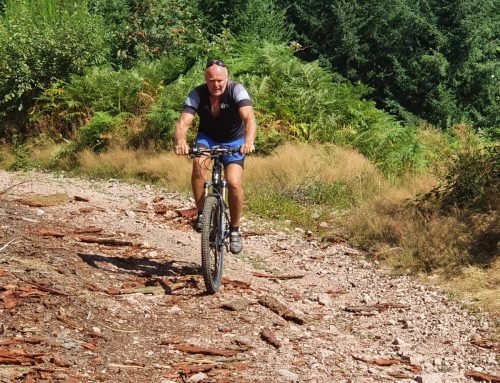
[164,28]
[473,182]
[43,41]
[64,106]
[165,111]
[98,132]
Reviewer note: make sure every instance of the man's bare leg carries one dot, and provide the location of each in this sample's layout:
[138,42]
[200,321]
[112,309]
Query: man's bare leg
[234,178]
[198,178]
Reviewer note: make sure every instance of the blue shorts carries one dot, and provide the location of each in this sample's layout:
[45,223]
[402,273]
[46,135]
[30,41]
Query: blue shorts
[203,141]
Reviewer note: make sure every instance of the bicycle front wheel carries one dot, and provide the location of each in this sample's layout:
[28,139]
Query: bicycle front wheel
[212,243]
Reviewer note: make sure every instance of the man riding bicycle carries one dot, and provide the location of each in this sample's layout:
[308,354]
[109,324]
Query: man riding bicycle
[226,118]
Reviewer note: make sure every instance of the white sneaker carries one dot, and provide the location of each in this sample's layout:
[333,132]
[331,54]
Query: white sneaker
[235,244]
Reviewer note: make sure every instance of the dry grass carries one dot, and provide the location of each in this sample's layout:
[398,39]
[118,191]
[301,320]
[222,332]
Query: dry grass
[459,249]
[290,163]
[166,168]
[425,242]
[479,289]
[379,222]
[7,157]
[478,284]
[309,184]
[41,153]
[172,170]
[320,174]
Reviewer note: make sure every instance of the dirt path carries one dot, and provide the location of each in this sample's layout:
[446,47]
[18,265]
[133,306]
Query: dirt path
[73,310]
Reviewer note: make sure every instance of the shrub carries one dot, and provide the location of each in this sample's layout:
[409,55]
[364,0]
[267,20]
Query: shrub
[98,132]
[40,41]
[473,181]
[165,28]
[164,112]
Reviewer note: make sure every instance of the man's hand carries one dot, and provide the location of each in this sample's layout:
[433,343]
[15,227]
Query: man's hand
[181,127]
[182,148]
[247,148]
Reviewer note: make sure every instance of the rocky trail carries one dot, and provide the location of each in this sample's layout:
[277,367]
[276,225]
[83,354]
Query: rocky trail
[100,282]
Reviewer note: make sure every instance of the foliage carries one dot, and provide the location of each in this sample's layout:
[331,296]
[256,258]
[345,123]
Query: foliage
[473,27]
[151,30]
[165,111]
[117,14]
[67,105]
[43,41]
[104,89]
[393,148]
[98,132]
[260,20]
[472,183]
[164,27]
[313,105]
[436,59]
[253,20]
[58,112]
[21,161]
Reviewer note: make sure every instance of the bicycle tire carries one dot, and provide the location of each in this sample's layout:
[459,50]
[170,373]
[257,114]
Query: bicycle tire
[212,244]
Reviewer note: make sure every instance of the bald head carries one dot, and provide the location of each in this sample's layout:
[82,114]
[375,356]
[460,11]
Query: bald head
[216,77]
[216,70]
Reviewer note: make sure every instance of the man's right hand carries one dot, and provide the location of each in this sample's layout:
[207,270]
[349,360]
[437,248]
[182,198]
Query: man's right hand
[182,148]
[181,127]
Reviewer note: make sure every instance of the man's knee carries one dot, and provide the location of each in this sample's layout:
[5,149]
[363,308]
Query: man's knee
[199,169]
[234,181]
[235,187]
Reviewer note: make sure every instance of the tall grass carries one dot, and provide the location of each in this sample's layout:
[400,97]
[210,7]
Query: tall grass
[167,169]
[449,231]
[298,178]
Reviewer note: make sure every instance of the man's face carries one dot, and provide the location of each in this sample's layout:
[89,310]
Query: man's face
[216,79]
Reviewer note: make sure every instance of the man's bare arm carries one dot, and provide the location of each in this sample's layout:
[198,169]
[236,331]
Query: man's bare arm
[181,127]
[247,115]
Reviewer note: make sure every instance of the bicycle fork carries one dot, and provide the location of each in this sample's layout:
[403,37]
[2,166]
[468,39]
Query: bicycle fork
[219,190]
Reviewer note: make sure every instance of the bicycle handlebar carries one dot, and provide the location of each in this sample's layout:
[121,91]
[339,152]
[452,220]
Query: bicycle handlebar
[213,151]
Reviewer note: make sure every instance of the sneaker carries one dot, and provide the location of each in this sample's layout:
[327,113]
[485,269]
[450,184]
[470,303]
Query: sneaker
[198,223]
[235,245]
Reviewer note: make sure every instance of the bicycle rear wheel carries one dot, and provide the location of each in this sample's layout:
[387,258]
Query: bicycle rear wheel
[212,243]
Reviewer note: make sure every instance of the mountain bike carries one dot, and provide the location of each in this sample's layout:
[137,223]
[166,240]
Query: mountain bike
[215,225]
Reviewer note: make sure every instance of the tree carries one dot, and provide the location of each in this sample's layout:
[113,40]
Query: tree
[257,20]
[435,59]
[472,50]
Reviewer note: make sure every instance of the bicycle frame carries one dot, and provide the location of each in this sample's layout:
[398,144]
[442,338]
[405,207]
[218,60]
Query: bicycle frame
[215,225]
[218,188]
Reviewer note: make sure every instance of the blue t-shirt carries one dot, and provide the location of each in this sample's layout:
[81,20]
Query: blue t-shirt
[227,125]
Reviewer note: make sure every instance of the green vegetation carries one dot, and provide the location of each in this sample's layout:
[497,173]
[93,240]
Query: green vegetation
[377,120]
[41,42]
[432,60]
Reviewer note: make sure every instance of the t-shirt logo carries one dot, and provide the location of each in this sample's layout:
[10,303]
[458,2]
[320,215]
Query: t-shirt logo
[224,106]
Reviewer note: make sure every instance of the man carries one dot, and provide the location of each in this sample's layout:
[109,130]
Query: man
[226,118]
